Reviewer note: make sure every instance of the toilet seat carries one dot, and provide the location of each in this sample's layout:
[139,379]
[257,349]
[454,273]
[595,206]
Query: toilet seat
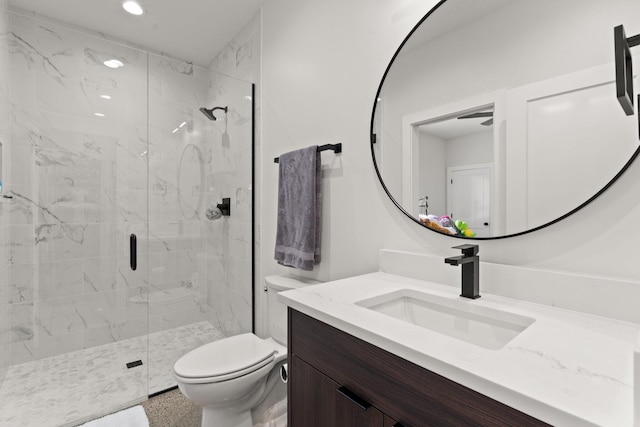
[225,359]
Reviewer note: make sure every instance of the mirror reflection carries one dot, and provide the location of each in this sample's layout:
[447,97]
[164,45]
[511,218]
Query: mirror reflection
[455,173]
[498,117]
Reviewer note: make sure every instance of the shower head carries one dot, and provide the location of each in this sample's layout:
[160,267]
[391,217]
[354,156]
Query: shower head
[209,112]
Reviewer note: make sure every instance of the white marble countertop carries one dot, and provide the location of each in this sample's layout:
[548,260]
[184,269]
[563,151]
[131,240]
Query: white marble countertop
[567,368]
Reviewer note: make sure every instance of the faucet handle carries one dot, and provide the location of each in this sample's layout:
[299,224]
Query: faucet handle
[468,250]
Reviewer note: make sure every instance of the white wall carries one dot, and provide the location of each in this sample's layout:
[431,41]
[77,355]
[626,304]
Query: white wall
[470,149]
[322,65]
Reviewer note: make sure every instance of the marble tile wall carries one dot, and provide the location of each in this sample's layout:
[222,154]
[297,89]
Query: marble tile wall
[240,59]
[4,138]
[229,240]
[194,163]
[78,180]
[177,258]
[83,182]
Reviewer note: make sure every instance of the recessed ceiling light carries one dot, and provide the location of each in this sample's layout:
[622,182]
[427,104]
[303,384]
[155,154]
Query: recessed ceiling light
[98,114]
[175,130]
[105,96]
[113,63]
[133,7]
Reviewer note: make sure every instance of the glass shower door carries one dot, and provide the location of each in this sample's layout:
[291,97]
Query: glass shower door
[76,169]
[178,309]
[200,261]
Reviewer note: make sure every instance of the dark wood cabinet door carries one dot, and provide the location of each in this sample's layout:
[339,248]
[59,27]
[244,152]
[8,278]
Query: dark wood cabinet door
[315,400]
[388,422]
[353,411]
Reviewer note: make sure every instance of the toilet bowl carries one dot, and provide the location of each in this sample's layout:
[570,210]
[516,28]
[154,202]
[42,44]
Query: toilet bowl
[229,377]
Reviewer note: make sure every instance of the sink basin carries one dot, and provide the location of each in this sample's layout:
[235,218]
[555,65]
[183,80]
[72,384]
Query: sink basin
[457,318]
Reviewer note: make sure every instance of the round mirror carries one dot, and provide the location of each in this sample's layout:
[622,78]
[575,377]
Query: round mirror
[190,181]
[499,117]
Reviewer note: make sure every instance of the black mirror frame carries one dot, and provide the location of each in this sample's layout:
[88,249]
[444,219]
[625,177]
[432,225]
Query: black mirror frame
[373,141]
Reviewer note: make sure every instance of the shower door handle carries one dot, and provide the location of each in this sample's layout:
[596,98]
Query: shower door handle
[133,252]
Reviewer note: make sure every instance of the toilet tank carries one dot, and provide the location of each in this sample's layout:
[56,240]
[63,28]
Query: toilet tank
[277,311]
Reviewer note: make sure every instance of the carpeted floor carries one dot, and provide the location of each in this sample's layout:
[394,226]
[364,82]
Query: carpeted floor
[172,409]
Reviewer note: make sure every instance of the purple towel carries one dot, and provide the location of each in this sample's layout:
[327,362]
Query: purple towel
[298,232]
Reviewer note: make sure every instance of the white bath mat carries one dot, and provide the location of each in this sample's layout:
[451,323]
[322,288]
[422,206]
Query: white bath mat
[132,417]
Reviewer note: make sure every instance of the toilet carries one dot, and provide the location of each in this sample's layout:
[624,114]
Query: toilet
[229,377]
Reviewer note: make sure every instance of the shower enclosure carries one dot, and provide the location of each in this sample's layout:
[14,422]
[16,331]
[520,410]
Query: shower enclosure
[104,155]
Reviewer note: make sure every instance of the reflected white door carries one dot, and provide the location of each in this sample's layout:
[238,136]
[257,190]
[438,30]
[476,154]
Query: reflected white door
[556,129]
[469,196]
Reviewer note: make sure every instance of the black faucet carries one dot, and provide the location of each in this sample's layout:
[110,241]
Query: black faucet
[470,262]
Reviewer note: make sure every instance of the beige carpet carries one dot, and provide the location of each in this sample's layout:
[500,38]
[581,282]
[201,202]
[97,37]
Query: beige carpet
[172,409]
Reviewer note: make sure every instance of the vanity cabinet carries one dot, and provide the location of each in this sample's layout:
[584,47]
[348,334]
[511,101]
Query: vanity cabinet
[337,379]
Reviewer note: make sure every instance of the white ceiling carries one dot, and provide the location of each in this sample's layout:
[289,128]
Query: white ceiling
[454,128]
[192,30]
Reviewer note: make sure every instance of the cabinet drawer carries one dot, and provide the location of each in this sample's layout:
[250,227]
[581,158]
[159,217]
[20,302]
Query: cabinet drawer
[406,392]
[321,402]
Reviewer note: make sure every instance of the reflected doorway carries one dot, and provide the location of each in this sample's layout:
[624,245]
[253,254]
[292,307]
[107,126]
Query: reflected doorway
[469,196]
[456,157]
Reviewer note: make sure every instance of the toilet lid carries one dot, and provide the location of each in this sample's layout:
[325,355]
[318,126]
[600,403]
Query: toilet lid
[224,357]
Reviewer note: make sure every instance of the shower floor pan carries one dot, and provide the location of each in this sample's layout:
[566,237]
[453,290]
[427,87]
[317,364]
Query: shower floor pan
[76,387]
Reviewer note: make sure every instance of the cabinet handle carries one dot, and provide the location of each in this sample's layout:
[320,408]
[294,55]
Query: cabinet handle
[397,425]
[133,252]
[357,400]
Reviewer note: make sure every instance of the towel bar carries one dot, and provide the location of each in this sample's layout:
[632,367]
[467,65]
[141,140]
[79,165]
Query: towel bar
[337,148]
